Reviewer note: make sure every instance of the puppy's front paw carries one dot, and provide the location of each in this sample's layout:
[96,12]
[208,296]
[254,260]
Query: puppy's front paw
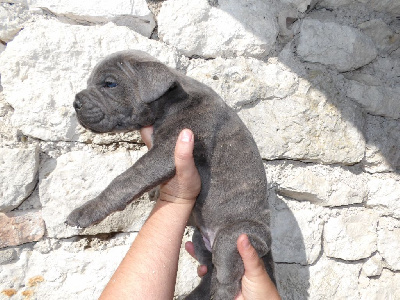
[81,217]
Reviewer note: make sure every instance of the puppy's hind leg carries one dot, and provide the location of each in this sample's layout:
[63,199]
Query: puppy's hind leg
[202,291]
[229,269]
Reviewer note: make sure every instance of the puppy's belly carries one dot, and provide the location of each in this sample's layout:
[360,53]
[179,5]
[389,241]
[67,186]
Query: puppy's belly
[208,237]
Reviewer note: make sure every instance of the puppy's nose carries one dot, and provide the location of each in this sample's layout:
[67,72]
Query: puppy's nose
[77,104]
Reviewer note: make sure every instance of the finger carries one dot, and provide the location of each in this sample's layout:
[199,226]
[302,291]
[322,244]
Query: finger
[201,270]
[253,266]
[189,247]
[146,133]
[184,162]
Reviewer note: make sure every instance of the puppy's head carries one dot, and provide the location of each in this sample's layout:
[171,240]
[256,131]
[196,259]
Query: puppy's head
[120,90]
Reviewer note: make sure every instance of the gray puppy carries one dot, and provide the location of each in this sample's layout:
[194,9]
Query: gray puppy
[129,90]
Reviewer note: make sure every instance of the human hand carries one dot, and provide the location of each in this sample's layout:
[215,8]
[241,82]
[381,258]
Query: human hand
[185,185]
[256,284]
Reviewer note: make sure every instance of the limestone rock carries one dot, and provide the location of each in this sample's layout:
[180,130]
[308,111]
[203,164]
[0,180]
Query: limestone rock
[79,176]
[382,150]
[331,279]
[389,241]
[385,287]
[12,17]
[7,255]
[329,43]
[390,6]
[351,237]
[233,28]
[18,175]
[384,193]
[375,99]
[49,62]
[384,38]
[301,5]
[134,14]
[322,185]
[373,266]
[20,227]
[296,232]
[242,81]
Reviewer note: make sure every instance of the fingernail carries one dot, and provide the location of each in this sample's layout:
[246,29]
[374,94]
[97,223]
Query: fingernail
[246,243]
[186,136]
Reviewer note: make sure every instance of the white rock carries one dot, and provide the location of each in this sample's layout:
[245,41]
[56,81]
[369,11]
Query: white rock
[135,12]
[389,241]
[322,185]
[79,176]
[306,127]
[11,20]
[390,6]
[385,287]
[49,62]
[331,279]
[18,175]
[384,38]
[301,5]
[342,47]
[242,81]
[296,232]
[352,236]
[373,266]
[382,150]
[375,99]
[384,193]
[233,28]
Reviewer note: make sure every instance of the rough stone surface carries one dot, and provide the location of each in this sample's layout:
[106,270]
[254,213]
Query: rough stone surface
[389,242]
[322,185]
[231,29]
[384,194]
[373,266]
[301,5]
[12,17]
[329,43]
[351,237]
[49,51]
[390,6]
[79,176]
[384,38]
[134,14]
[20,228]
[384,287]
[331,279]
[377,100]
[243,81]
[296,232]
[382,150]
[18,176]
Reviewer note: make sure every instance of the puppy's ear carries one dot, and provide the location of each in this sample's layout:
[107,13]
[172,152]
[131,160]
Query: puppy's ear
[155,79]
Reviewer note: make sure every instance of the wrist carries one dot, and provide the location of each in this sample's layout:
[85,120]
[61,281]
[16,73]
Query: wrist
[167,198]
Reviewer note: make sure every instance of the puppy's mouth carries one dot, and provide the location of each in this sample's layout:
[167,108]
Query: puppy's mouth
[89,115]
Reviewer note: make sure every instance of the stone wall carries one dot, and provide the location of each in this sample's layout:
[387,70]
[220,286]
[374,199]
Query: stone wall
[316,82]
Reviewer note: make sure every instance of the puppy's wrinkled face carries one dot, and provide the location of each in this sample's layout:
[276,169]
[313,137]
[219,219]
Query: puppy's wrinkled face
[111,102]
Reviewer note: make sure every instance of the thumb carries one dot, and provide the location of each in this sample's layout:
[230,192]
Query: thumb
[253,266]
[184,162]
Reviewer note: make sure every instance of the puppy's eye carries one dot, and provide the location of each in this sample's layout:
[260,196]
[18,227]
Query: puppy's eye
[110,84]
